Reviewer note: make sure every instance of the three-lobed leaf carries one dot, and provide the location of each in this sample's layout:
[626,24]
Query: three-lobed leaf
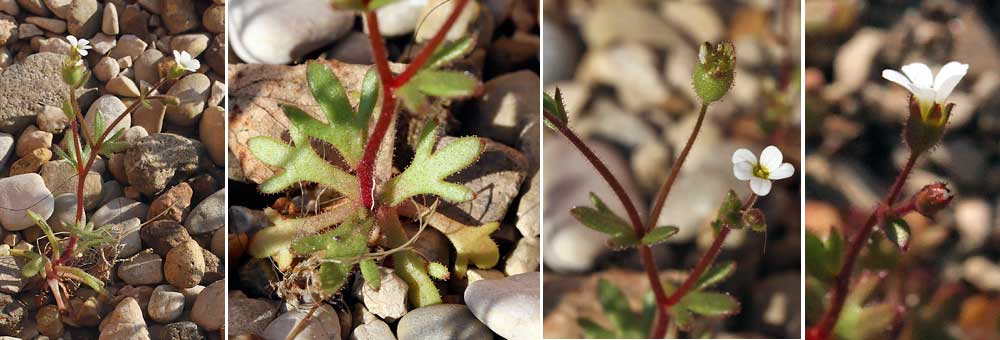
[341,248]
[823,259]
[299,163]
[346,129]
[473,244]
[427,172]
[600,218]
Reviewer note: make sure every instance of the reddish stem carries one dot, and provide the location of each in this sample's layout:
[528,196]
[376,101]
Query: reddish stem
[431,47]
[366,167]
[661,198]
[843,278]
[646,255]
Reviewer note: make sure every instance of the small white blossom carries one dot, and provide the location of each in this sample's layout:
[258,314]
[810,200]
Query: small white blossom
[927,88]
[761,173]
[185,61]
[79,45]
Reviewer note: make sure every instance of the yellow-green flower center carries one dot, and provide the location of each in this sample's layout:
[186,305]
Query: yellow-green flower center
[760,171]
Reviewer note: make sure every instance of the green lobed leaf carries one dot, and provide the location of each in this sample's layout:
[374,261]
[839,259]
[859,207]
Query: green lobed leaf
[300,163]
[343,246]
[898,231]
[371,274]
[427,172]
[823,259]
[658,235]
[711,303]
[715,274]
[409,265]
[450,52]
[592,330]
[474,244]
[278,238]
[33,266]
[346,129]
[443,84]
[40,222]
[438,271]
[616,308]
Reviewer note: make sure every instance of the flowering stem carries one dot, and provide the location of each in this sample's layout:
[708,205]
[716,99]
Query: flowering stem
[843,278]
[661,197]
[645,253]
[366,167]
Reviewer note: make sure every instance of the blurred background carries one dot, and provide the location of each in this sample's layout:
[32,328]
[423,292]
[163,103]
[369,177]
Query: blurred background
[946,285]
[625,68]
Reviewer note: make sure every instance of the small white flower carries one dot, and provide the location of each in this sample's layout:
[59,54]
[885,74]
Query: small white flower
[760,174]
[927,88]
[184,61]
[79,45]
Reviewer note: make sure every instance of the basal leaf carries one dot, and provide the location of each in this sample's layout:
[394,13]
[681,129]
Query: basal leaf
[474,244]
[33,266]
[592,330]
[715,274]
[40,222]
[427,172]
[617,309]
[898,231]
[83,277]
[285,231]
[658,235]
[450,52]
[369,271]
[332,276]
[300,164]
[342,246]
[409,265]
[346,129]
[711,303]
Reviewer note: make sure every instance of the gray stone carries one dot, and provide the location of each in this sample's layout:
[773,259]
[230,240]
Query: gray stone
[11,314]
[524,258]
[509,307]
[399,18]
[58,7]
[128,45]
[41,72]
[145,268]
[125,322]
[249,316]
[161,160]
[20,193]
[374,330]
[11,280]
[36,7]
[192,90]
[118,210]
[109,21]
[110,107]
[193,43]
[444,321]
[209,215]
[179,15]
[106,68]
[64,210]
[6,149]
[60,177]
[166,304]
[52,25]
[127,233]
[210,132]
[163,236]
[389,301]
[145,69]
[323,325]
[318,25]
[83,18]
[184,330]
[508,103]
[209,309]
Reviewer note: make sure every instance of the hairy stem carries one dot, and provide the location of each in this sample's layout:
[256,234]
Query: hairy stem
[843,278]
[366,167]
[661,197]
[645,253]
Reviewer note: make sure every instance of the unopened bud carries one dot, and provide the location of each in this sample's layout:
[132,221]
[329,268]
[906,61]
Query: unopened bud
[932,198]
[713,76]
[754,219]
[925,125]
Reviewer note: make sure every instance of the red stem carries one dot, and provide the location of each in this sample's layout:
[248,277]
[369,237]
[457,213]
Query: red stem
[431,47]
[646,255]
[829,320]
[661,198]
[366,167]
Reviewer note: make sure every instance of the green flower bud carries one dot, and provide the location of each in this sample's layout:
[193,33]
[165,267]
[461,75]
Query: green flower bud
[713,76]
[925,125]
[74,73]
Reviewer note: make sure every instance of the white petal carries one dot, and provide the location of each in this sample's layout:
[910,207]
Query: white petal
[71,39]
[948,78]
[919,74]
[770,158]
[898,78]
[760,186]
[784,171]
[743,171]
[177,56]
[744,155]
[82,52]
[84,43]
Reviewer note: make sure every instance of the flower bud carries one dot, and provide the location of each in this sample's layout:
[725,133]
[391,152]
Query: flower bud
[74,73]
[754,219]
[713,76]
[932,198]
